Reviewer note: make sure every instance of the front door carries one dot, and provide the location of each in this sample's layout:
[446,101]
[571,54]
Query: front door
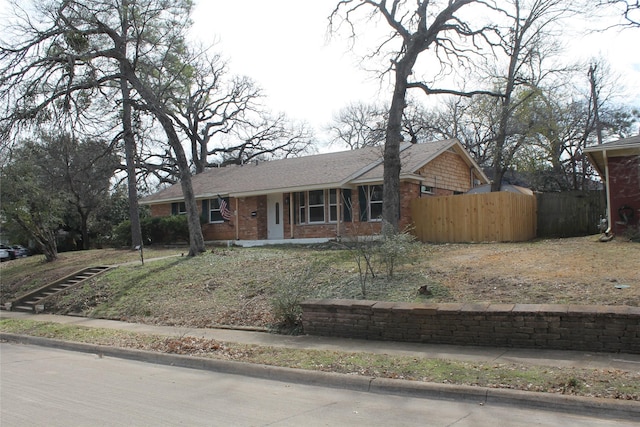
[275,224]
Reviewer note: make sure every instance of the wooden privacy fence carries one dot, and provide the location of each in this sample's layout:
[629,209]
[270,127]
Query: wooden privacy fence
[487,217]
[570,213]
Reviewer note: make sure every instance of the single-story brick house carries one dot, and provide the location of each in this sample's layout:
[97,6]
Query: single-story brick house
[319,196]
[618,164]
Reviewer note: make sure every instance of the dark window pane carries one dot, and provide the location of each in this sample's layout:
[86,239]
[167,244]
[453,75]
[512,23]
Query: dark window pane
[316,214]
[376,211]
[316,197]
[376,193]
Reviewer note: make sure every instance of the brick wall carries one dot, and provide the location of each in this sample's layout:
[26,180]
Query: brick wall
[161,210]
[250,226]
[624,183]
[562,327]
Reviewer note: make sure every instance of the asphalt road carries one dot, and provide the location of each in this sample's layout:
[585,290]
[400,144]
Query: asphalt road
[41,386]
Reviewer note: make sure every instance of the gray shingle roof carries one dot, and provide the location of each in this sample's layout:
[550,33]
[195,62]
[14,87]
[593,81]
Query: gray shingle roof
[329,170]
[631,142]
[622,147]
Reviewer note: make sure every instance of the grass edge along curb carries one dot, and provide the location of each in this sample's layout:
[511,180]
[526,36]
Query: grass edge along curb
[579,405]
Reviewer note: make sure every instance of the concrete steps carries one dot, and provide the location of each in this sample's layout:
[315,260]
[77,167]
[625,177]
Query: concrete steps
[34,301]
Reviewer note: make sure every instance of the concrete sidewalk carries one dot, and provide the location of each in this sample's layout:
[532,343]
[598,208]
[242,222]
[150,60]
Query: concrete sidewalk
[551,358]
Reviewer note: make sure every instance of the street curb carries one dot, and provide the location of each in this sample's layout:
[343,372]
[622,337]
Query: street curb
[608,408]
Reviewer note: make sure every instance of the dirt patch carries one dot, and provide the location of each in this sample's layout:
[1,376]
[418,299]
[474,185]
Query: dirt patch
[562,271]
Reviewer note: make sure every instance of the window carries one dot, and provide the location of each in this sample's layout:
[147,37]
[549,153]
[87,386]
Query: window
[425,189]
[321,206]
[333,205]
[370,198]
[178,208]
[375,203]
[302,207]
[215,214]
[316,206]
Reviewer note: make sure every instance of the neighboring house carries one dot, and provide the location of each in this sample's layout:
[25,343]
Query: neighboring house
[320,196]
[618,164]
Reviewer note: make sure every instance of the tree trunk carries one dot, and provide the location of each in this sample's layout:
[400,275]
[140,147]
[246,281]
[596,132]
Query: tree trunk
[594,97]
[86,244]
[156,107]
[49,247]
[392,165]
[130,150]
[129,139]
[196,239]
[45,239]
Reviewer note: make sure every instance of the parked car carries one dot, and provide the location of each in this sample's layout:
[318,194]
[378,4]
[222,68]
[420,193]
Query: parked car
[7,253]
[20,251]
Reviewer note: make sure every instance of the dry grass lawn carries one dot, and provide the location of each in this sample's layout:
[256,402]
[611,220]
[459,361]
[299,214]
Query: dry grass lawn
[561,271]
[235,286]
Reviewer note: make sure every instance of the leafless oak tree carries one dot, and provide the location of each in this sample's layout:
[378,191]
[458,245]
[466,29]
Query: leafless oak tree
[415,28]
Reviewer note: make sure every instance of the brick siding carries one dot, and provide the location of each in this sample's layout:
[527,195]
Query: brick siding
[447,173]
[562,327]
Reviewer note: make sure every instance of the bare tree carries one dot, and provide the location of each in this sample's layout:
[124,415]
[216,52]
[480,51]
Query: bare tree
[364,125]
[527,44]
[212,105]
[416,27]
[358,125]
[224,121]
[628,9]
[262,136]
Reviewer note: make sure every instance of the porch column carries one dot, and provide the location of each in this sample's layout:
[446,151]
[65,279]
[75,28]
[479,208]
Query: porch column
[338,210]
[291,211]
[608,190]
[237,219]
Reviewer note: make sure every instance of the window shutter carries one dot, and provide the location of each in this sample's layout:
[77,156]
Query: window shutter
[362,198]
[174,209]
[346,204]
[295,208]
[205,211]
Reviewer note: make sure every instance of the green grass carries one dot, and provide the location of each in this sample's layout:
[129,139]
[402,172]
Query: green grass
[608,383]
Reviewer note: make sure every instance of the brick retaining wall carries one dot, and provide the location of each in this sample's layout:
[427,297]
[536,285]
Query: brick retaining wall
[563,327]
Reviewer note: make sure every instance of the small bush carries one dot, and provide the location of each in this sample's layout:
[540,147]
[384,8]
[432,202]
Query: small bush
[397,249]
[290,291]
[158,230]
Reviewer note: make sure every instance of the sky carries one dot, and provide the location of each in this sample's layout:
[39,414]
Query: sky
[283,46]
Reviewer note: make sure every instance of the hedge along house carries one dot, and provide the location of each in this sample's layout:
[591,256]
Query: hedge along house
[618,164]
[326,196]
